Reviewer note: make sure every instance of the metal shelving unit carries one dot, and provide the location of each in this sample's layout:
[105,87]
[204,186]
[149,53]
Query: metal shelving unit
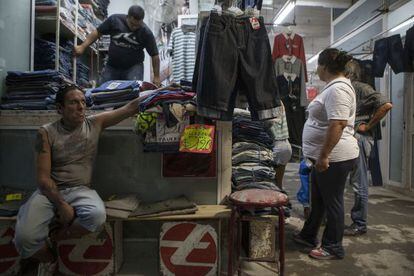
[52,22]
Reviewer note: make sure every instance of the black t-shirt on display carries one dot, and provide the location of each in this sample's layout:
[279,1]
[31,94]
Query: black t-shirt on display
[127,48]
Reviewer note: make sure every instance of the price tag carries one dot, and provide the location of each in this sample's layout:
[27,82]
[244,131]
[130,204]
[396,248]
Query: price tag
[11,197]
[114,85]
[255,23]
[197,139]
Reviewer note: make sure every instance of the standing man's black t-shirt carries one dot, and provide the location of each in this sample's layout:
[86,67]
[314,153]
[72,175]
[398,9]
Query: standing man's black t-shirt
[127,48]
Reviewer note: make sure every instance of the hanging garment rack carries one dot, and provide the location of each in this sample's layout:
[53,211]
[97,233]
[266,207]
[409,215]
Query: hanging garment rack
[378,35]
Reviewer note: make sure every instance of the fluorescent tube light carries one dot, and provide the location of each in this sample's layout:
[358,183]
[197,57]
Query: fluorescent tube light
[315,57]
[284,11]
[399,26]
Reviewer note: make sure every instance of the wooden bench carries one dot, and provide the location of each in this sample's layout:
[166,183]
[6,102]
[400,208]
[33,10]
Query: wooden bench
[204,212]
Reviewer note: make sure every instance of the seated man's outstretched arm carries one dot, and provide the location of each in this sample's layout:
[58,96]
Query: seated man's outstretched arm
[110,118]
[45,183]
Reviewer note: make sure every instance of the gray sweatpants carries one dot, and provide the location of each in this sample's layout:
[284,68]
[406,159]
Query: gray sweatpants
[34,217]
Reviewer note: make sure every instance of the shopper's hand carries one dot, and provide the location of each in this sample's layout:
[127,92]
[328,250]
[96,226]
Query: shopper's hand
[157,81]
[322,164]
[65,214]
[78,50]
[362,128]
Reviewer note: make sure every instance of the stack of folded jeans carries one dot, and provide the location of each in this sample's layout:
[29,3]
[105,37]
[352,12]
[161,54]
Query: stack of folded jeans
[82,74]
[253,163]
[29,90]
[113,94]
[244,129]
[45,56]
[163,116]
[100,7]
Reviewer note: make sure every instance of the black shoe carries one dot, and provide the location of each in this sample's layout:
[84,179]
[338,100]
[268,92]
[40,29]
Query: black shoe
[298,239]
[354,230]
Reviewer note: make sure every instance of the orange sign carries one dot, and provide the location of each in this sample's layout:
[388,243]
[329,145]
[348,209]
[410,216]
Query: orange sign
[197,139]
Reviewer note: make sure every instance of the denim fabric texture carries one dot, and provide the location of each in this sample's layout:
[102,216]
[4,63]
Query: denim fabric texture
[388,50]
[229,59]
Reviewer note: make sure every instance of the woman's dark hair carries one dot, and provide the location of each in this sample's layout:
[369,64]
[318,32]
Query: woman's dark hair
[334,60]
[136,12]
[60,95]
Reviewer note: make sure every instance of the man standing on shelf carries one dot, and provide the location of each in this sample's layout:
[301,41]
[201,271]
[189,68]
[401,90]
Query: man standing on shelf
[66,151]
[129,36]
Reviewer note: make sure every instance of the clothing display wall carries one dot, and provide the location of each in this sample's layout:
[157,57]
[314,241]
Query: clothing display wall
[182,51]
[291,45]
[235,55]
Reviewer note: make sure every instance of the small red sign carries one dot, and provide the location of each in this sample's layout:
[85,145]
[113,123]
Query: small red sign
[188,249]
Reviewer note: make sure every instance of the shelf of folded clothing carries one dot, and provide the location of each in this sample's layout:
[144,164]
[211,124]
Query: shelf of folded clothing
[33,119]
[204,212]
[46,24]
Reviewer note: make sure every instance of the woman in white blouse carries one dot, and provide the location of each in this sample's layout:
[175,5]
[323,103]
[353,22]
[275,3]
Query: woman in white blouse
[328,141]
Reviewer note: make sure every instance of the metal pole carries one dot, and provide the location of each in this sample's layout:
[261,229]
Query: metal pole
[57,38]
[75,40]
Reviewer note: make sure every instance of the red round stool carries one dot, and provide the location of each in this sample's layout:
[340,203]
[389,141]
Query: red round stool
[254,198]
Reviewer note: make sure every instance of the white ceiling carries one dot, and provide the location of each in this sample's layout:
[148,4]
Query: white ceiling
[313,21]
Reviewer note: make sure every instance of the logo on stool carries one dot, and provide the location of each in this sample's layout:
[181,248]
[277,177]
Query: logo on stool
[188,249]
[89,255]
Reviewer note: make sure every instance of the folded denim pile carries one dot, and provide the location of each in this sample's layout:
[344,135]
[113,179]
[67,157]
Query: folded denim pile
[45,57]
[252,155]
[113,94]
[164,113]
[32,90]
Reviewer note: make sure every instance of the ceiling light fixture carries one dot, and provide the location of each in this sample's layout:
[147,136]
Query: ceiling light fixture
[284,11]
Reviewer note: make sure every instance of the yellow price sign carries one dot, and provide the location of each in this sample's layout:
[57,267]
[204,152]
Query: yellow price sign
[197,138]
[11,197]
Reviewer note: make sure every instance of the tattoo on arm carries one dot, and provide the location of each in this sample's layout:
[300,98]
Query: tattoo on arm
[39,144]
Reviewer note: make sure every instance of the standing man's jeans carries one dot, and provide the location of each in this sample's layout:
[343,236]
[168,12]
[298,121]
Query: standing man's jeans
[135,72]
[359,181]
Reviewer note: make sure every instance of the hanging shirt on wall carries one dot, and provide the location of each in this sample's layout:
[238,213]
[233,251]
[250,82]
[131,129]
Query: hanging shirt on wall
[127,48]
[292,65]
[291,45]
[182,48]
[409,50]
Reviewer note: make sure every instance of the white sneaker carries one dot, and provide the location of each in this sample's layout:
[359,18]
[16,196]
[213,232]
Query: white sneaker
[47,269]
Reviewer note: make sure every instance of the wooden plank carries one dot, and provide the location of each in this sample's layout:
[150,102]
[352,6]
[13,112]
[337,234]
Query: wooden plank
[204,212]
[7,218]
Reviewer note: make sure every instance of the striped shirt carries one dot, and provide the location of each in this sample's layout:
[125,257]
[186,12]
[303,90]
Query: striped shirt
[182,48]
